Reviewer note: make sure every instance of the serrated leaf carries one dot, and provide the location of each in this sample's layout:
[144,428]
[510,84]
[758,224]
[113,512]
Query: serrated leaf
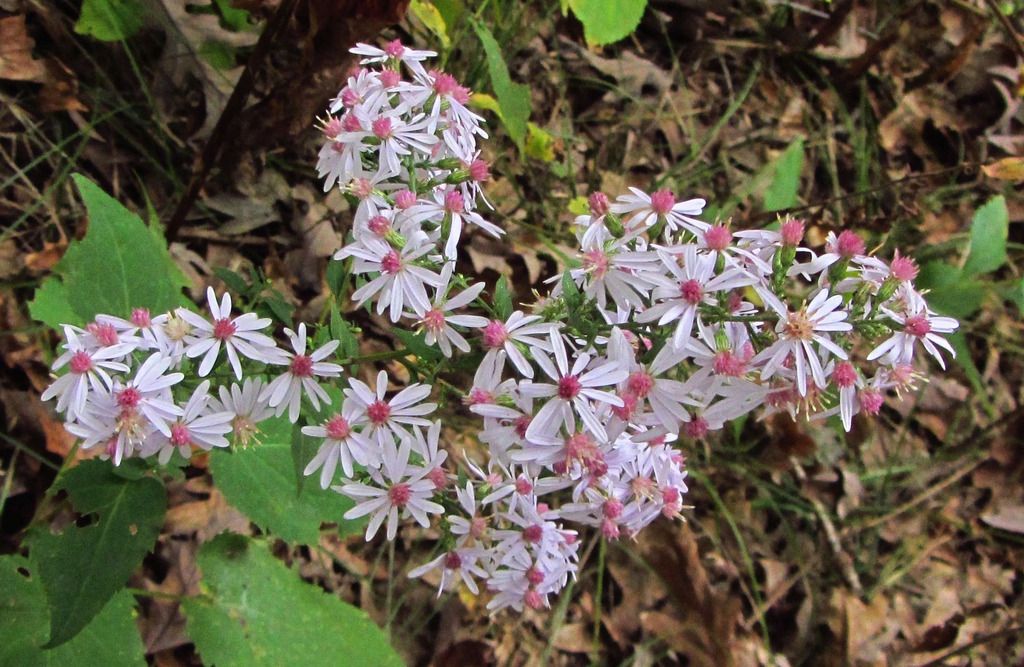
[607,21]
[51,306]
[256,611]
[262,482]
[503,299]
[990,227]
[429,15]
[110,639]
[121,264]
[110,20]
[81,568]
[785,184]
[513,98]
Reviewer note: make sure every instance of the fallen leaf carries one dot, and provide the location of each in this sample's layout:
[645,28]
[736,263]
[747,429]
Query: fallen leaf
[1007,169]
[16,61]
[1006,517]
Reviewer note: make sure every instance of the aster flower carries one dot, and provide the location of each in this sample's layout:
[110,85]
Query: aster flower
[922,326]
[798,331]
[387,417]
[399,489]
[392,54]
[245,404]
[87,369]
[401,282]
[642,211]
[342,442]
[148,393]
[285,391]
[612,269]
[449,210]
[462,564]
[239,336]
[196,427]
[518,330]
[437,321]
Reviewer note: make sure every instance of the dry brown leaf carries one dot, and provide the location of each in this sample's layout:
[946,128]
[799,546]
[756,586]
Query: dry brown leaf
[1006,517]
[45,259]
[573,638]
[16,61]
[1007,169]
[207,518]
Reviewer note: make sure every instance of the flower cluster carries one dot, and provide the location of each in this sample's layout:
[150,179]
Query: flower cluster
[665,328]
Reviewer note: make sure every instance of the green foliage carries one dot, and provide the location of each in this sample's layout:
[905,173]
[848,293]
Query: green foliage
[81,568]
[430,16]
[120,264]
[417,344]
[513,98]
[264,482]
[256,611]
[110,20]
[990,227]
[110,639]
[342,331]
[503,299]
[785,183]
[540,145]
[607,21]
[952,292]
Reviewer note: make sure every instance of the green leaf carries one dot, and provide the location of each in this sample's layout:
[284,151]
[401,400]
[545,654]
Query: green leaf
[81,568]
[540,145]
[429,15]
[110,639]
[782,192]
[234,18]
[417,344]
[503,299]
[571,293]
[256,611]
[579,205]
[121,264]
[513,98]
[990,227]
[262,482]
[341,331]
[234,282]
[951,292]
[220,55]
[110,20]
[608,21]
[963,359]
[51,306]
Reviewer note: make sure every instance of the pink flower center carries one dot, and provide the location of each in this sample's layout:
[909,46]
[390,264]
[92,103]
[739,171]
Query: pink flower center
[903,268]
[523,486]
[479,396]
[400,494]
[871,401]
[224,329]
[599,204]
[389,78]
[535,576]
[478,527]
[849,245]
[129,397]
[404,199]
[718,237]
[350,97]
[105,334]
[332,128]
[792,232]
[696,429]
[81,362]
[730,364]
[362,188]
[610,529]
[453,561]
[691,291]
[569,387]
[625,411]
[479,171]
[141,319]
[533,534]
[533,599]
[350,124]
[640,383]
[180,435]
[438,477]
[597,262]
[453,202]
[612,508]
[378,412]
[917,325]
[301,366]
[433,320]
[391,262]
[338,428]
[845,374]
[662,202]
[444,84]
[379,225]
[495,334]
[521,424]
[394,49]
[382,128]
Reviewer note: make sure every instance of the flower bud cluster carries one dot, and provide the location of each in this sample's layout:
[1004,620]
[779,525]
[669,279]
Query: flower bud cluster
[665,328]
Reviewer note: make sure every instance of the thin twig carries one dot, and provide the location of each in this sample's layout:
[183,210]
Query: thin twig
[984,639]
[1008,27]
[231,112]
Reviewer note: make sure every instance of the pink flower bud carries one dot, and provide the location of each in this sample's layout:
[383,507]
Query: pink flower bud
[792,232]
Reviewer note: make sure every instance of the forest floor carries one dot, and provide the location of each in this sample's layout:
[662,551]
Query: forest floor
[899,543]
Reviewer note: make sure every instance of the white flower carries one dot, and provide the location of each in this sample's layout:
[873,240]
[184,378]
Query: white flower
[247,407]
[518,330]
[342,442]
[437,321]
[798,331]
[400,489]
[610,268]
[390,417]
[400,282]
[148,393]
[393,52]
[285,391]
[921,326]
[645,210]
[87,368]
[449,209]
[196,427]
[457,564]
[240,335]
